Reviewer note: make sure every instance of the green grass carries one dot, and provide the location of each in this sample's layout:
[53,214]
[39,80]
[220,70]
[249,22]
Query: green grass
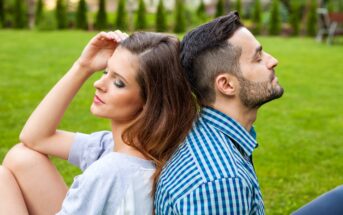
[300,137]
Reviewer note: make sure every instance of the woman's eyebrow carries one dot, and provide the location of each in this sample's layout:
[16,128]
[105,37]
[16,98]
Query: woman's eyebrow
[115,74]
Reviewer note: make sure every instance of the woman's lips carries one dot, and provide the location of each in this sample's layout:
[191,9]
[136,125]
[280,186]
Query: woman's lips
[97,100]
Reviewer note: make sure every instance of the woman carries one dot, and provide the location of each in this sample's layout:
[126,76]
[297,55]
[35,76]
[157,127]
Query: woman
[149,103]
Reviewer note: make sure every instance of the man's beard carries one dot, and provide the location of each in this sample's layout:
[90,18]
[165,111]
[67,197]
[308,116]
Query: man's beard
[255,94]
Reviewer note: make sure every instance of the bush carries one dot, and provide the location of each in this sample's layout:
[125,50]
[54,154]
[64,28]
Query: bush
[48,21]
[294,17]
[312,18]
[256,18]
[220,8]
[19,14]
[2,13]
[201,11]
[161,25]
[101,16]
[121,21]
[81,16]
[239,7]
[275,21]
[61,15]
[140,19]
[39,11]
[179,24]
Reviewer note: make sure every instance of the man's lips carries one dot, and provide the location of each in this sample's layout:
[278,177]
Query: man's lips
[98,100]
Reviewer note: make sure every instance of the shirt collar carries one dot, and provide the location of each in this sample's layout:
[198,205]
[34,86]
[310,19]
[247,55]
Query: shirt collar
[230,127]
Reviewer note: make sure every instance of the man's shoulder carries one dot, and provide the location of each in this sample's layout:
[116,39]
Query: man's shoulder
[203,157]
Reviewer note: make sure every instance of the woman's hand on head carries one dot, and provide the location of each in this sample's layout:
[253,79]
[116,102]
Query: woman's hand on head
[100,48]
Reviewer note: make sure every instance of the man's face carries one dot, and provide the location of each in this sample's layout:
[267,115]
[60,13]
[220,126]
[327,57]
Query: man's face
[258,83]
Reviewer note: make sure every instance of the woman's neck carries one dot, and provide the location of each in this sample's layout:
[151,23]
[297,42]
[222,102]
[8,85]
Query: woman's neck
[119,145]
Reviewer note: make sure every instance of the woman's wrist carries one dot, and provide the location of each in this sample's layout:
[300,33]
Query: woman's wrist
[82,69]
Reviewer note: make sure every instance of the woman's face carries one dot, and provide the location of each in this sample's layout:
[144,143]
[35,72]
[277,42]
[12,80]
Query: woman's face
[117,96]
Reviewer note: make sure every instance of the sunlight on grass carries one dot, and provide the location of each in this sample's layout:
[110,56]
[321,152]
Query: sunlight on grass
[300,152]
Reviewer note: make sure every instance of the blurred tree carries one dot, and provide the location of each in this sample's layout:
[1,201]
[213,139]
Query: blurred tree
[227,6]
[256,18]
[39,12]
[179,24]
[121,21]
[2,14]
[81,15]
[201,10]
[239,7]
[161,24]
[140,19]
[294,18]
[220,8]
[61,14]
[275,20]
[101,17]
[312,18]
[330,6]
[19,14]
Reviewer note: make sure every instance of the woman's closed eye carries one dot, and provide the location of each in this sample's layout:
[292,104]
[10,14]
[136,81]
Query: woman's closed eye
[119,83]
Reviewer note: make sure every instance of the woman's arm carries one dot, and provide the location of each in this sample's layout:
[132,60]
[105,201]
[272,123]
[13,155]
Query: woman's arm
[39,132]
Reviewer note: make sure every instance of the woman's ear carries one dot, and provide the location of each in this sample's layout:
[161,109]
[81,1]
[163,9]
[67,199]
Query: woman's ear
[226,84]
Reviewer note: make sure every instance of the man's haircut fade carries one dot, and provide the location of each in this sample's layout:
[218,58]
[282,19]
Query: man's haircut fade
[210,37]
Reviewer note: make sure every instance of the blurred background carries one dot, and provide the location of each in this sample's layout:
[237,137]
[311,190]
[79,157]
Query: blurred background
[300,135]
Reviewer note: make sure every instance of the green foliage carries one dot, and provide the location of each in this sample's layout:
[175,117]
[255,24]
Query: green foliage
[311,22]
[219,8]
[294,17]
[275,20]
[201,10]
[48,22]
[179,24]
[239,7]
[101,16]
[81,15]
[61,14]
[140,19]
[39,11]
[330,6]
[257,18]
[2,13]
[160,20]
[121,21]
[294,132]
[19,14]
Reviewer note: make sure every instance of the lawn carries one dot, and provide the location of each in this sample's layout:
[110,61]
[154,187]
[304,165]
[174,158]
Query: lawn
[300,153]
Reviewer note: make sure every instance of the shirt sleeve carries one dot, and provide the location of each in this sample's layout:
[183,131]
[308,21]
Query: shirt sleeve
[225,196]
[88,148]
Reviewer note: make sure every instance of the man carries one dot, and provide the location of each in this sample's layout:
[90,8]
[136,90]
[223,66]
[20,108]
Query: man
[212,171]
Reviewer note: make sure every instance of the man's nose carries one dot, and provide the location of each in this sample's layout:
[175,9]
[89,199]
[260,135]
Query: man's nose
[272,62]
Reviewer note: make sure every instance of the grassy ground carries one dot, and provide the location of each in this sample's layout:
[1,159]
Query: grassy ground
[300,154]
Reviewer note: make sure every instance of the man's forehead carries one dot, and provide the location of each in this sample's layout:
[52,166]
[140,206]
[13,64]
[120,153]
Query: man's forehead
[244,39]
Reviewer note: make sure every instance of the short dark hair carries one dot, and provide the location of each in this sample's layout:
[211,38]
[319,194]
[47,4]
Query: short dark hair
[206,53]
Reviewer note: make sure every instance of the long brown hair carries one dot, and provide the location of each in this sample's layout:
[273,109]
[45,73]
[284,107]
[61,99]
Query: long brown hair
[170,107]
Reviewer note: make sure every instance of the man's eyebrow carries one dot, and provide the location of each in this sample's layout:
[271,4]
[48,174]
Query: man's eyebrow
[258,50]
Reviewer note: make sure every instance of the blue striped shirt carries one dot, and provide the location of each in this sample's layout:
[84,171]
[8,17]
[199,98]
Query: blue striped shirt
[211,172]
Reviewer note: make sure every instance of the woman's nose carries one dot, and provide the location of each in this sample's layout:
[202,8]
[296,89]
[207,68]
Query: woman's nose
[100,84]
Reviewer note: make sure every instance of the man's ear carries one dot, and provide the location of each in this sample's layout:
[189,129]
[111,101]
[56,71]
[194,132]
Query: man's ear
[226,84]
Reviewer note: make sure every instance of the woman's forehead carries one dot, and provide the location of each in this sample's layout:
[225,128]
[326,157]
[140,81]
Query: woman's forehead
[123,62]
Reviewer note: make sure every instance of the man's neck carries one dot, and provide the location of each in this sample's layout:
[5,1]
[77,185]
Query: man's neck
[243,115]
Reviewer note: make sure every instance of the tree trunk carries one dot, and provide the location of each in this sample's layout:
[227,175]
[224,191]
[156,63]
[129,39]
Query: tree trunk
[227,6]
[31,13]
